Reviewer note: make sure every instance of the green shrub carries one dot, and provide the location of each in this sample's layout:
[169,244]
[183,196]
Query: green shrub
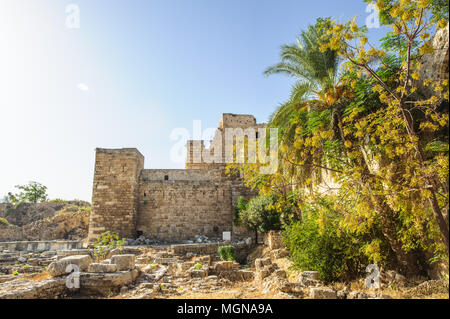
[16,273]
[198,266]
[240,207]
[318,243]
[58,200]
[104,243]
[227,253]
[3,221]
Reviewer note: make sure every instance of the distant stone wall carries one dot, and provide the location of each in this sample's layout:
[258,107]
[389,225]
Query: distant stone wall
[40,246]
[179,210]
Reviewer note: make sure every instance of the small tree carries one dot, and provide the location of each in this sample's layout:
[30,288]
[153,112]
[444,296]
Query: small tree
[33,192]
[260,216]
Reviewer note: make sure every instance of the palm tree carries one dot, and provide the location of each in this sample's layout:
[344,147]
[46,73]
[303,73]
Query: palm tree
[316,72]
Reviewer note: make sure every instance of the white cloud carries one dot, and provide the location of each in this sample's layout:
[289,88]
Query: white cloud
[83,87]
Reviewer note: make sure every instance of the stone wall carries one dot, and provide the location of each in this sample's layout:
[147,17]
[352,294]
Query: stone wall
[40,246]
[179,210]
[181,175]
[115,192]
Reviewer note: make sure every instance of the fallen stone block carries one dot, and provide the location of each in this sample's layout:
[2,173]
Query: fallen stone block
[279,253]
[431,286]
[124,262]
[322,293]
[310,279]
[102,268]
[357,295]
[105,283]
[313,275]
[60,267]
[225,265]
[72,252]
[197,273]
[27,289]
[262,262]
[237,275]
[164,261]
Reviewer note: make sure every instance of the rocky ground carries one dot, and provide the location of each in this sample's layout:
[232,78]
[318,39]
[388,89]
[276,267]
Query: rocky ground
[160,272]
[44,221]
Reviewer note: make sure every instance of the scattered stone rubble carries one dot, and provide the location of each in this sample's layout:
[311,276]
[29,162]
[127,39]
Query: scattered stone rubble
[177,271]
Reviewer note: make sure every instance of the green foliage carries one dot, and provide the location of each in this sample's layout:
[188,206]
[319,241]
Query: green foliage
[58,200]
[315,71]
[198,266]
[227,253]
[3,221]
[438,10]
[260,215]
[318,243]
[240,207]
[16,273]
[33,192]
[104,243]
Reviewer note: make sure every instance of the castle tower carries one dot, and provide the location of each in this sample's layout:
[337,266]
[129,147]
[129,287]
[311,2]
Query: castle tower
[115,192]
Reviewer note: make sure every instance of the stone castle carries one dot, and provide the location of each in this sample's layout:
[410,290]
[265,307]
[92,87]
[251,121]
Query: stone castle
[168,204]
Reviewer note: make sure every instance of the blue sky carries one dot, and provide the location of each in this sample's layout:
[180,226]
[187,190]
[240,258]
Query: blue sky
[134,71]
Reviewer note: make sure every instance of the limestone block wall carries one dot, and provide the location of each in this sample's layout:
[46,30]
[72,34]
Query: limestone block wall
[181,174]
[179,210]
[115,192]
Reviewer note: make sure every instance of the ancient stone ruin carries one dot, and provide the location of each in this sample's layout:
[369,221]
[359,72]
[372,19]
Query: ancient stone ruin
[175,204]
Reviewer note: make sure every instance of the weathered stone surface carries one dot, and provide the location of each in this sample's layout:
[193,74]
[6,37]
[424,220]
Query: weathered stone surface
[310,279]
[124,262]
[104,283]
[357,295]
[102,268]
[430,287]
[273,240]
[279,253]
[322,293]
[59,267]
[390,277]
[197,273]
[225,265]
[27,289]
[236,275]
[72,252]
